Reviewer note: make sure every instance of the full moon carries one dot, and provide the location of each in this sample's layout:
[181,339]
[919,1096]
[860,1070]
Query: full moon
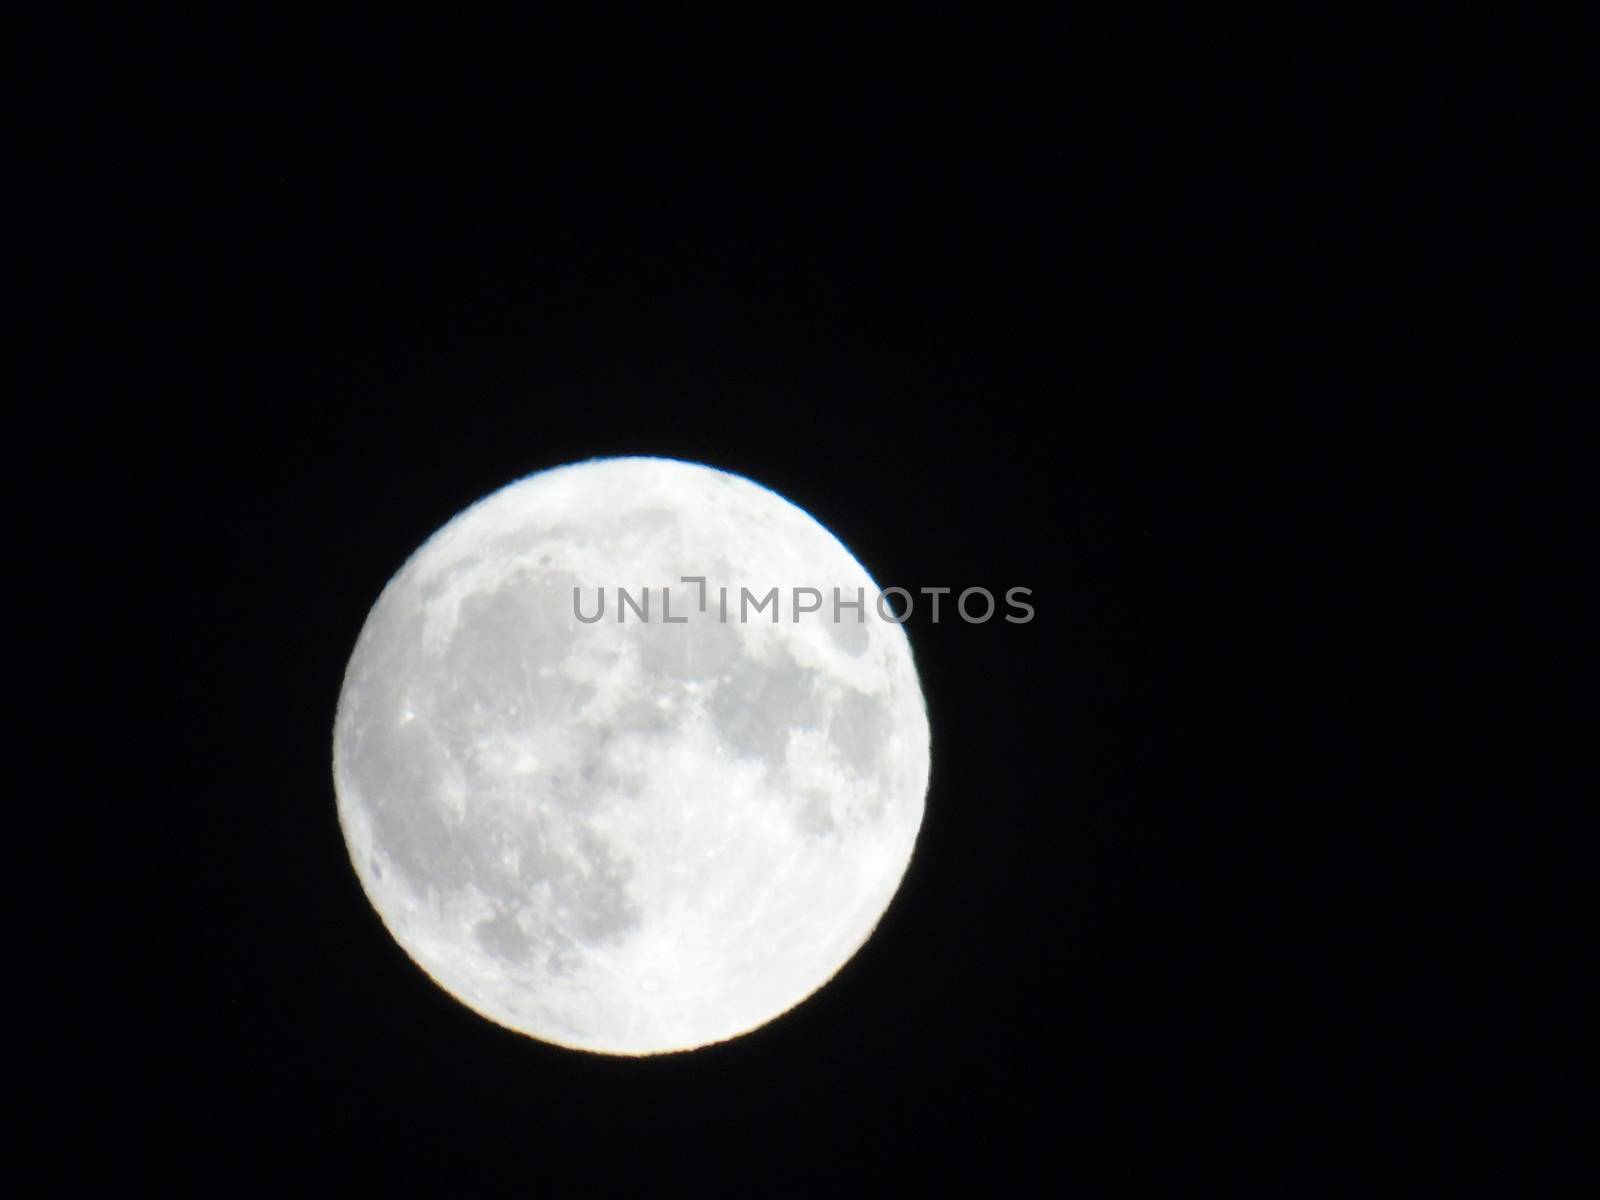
[650,831]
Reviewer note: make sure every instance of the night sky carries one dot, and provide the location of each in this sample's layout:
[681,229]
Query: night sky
[1176,321]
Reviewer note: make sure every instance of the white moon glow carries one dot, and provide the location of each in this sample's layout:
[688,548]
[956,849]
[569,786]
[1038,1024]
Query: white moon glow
[630,836]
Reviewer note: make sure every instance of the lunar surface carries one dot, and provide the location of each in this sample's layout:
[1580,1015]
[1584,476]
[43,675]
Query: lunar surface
[630,835]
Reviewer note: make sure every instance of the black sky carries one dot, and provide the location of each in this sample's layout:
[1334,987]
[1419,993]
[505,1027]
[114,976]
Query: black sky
[1176,320]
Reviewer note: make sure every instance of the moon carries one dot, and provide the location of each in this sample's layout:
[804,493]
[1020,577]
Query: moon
[644,833]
